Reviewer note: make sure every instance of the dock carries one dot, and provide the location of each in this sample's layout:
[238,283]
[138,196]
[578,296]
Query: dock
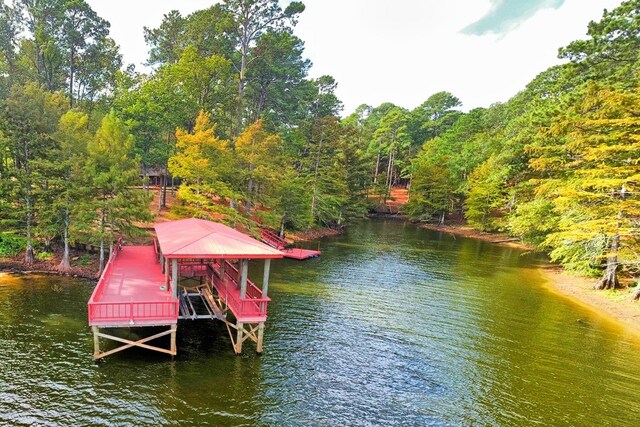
[144,286]
[300,254]
[277,242]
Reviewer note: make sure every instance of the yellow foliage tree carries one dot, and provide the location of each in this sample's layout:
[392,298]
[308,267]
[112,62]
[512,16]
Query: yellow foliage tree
[590,160]
[259,156]
[201,161]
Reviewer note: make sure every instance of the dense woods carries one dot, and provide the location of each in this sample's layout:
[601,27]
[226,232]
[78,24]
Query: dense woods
[230,116]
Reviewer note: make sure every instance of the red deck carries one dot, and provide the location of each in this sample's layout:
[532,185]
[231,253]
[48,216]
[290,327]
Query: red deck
[130,292]
[272,239]
[297,253]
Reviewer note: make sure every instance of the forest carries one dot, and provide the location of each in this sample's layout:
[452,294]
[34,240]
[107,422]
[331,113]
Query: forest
[230,117]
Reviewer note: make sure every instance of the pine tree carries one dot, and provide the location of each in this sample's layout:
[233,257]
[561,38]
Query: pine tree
[112,203]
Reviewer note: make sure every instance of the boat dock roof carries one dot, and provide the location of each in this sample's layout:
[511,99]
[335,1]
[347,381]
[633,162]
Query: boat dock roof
[201,239]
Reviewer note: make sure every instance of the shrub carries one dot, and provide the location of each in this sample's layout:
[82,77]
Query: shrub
[11,244]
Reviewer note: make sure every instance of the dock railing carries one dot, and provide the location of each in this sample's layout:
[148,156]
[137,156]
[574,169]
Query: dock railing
[103,312]
[272,239]
[252,306]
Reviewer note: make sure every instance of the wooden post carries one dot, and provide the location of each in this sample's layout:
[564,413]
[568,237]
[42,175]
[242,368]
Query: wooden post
[174,328]
[96,341]
[260,337]
[174,277]
[243,277]
[265,277]
[166,272]
[239,337]
[162,262]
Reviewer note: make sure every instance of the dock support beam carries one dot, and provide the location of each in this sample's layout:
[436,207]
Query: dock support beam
[174,277]
[96,341]
[265,277]
[243,277]
[130,343]
[239,338]
[260,337]
[173,348]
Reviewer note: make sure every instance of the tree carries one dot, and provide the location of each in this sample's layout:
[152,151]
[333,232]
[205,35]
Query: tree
[259,162]
[433,117]
[202,161]
[70,48]
[612,51]
[72,136]
[432,185]
[391,138]
[252,19]
[276,85]
[111,203]
[486,194]
[590,158]
[30,119]
[208,31]
[325,170]
[166,42]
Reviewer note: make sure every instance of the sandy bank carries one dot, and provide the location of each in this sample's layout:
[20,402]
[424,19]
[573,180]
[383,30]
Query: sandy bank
[615,305]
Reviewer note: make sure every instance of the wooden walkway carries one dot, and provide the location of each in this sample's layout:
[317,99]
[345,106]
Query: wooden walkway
[132,292]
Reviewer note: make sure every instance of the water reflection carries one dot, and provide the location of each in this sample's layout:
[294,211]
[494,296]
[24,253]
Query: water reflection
[393,325]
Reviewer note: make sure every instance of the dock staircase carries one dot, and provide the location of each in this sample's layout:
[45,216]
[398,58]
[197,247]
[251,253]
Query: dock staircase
[275,241]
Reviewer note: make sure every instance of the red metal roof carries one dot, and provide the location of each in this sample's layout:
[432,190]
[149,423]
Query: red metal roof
[198,238]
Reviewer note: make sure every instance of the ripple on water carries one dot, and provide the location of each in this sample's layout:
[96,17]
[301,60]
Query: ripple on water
[393,325]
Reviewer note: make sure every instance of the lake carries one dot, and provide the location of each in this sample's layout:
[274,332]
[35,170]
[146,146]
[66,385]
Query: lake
[392,325]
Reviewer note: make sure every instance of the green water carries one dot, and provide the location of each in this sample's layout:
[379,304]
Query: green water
[393,325]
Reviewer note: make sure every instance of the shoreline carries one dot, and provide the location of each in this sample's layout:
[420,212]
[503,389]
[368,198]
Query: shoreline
[613,305]
[313,234]
[470,232]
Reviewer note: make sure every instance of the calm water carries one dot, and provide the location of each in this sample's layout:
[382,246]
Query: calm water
[391,326]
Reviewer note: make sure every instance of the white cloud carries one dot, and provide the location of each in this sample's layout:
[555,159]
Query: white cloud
[399,51]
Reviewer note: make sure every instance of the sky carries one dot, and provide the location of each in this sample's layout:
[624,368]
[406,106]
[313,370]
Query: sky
[403,51]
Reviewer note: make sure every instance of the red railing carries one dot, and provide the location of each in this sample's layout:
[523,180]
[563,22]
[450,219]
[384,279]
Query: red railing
[132,312]
[253,307]
[272,239]
[102,312]
[106,273]
[192,268]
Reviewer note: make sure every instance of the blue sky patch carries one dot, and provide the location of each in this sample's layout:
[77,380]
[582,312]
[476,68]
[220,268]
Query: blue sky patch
[506,15]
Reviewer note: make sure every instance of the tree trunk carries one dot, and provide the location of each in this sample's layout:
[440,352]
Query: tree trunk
[71,75]
[282,226]
[248,202]
[164,191]
[375,175]
[101,265]
[65,265]
[315,178]
[636,295]
[102,226]
[610,278]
